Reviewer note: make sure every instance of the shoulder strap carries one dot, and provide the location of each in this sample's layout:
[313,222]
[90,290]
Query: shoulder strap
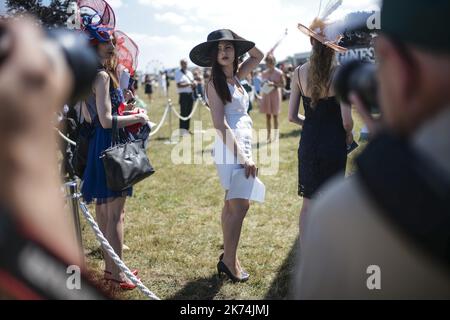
[115,132]
[81,110]
[300,82]
[410,192]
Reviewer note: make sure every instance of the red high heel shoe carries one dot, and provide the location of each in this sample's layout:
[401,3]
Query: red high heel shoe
[123,285]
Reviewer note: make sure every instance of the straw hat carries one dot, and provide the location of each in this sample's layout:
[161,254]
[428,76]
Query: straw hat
[317,30]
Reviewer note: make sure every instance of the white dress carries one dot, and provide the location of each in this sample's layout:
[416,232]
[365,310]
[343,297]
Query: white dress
[241,124]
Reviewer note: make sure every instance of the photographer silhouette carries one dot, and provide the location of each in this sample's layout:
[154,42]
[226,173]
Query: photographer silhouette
[392,219]
[37,243]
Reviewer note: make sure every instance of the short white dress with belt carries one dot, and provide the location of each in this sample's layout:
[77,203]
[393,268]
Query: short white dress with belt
[241,124]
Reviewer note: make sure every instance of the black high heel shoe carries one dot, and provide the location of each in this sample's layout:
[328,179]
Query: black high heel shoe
[222,268]
[244,273]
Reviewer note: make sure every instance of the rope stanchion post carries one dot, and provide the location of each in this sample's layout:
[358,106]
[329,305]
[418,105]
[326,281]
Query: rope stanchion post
[199,100]
[170,141]
[73,198]
[163,119]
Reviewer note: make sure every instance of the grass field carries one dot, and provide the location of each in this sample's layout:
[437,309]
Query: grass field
[173,222]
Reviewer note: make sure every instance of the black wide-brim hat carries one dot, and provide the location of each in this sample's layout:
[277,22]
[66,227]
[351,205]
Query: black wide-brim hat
[201,54]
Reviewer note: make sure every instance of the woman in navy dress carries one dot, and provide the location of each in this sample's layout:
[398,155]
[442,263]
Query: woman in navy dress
[99,109]
[327,124]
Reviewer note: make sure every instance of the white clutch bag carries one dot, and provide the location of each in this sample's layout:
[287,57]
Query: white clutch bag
[266,88]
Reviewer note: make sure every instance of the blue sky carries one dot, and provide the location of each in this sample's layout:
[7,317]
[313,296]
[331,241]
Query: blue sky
[166,30]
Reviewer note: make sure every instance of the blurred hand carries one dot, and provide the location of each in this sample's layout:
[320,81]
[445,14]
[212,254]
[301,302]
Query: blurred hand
[349,139]
[35,82]
[372,124]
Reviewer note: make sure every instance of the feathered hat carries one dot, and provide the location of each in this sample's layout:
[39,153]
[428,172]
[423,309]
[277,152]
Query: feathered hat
[127,51]
[97,19]
[321,29]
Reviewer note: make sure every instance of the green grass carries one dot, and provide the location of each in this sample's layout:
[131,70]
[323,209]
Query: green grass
[173,223]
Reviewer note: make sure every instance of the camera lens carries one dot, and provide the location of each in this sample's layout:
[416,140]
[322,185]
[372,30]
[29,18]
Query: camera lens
[359,77]
[5,43]
[81,59]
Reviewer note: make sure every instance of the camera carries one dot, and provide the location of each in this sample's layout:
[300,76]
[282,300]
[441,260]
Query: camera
[359,77]
[81,59]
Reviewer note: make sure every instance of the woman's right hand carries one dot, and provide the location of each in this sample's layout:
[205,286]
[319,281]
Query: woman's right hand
[142,118]
[250,169]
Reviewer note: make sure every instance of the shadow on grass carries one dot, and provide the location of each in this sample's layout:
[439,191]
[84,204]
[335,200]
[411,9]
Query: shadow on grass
[95,253]
[161,139]
[200,289]
[281,286]
[293,133]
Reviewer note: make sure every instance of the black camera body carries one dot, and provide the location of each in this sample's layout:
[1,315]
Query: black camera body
[359,77]
[80,57]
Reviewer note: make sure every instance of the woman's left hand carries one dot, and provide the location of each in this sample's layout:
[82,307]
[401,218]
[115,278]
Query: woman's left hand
[349,139]
[250,169]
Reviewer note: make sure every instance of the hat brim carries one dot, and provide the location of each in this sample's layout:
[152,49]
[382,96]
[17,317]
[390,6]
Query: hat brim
[200,54]
[310,33]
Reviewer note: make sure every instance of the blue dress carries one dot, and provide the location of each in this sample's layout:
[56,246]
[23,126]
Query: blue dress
[323,151]
[94,178]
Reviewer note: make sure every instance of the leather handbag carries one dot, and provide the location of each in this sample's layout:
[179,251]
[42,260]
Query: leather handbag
[125,163]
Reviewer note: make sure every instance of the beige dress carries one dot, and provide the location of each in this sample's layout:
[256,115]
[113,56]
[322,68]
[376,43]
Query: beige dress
[270,103]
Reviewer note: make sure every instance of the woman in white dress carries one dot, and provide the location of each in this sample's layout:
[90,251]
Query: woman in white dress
[233,149]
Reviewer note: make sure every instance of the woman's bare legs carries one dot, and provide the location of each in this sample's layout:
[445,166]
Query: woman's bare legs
[275,126]
[233,215]
[269,125]
[114,234]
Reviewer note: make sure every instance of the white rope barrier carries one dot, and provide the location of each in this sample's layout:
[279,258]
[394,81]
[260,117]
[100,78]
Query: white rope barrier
[105,244]
[188,117]
[163,119]
[65,138]
[203,102]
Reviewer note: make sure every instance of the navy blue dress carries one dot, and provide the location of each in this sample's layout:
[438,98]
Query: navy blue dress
[322,152]
[94,178]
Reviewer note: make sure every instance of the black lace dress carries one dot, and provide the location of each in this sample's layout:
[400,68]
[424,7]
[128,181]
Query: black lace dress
[322,152]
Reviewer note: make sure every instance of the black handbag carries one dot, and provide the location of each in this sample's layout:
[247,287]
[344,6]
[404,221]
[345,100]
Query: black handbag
[125,163]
